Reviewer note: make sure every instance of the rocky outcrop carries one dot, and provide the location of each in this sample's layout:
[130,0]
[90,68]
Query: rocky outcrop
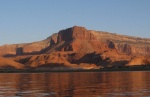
[125,44]
[28,48]
[80,39]
[75,33]
[8,50]
[140,60]
[56,60]
[75,39]
[124,48]
[79,47]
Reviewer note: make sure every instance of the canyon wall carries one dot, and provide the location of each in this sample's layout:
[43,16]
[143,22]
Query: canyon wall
[77,46]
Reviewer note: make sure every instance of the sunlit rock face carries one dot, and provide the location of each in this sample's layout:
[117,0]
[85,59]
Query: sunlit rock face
[75,33]
[8,63]
[140,60]
[77,46]
[28,48]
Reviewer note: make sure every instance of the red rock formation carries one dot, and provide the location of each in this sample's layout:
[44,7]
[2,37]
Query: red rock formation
[28,48]
[139,60]
[8,49]
[75,33]
[57,59]
[77,46]
[8,63]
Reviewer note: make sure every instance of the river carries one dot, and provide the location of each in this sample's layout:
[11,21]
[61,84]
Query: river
[75,84]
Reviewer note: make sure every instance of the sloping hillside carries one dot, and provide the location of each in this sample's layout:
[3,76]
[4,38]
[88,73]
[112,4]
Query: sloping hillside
[8,63]
[80,48]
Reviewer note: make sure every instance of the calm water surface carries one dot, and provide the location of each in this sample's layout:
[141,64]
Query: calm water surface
[76,84]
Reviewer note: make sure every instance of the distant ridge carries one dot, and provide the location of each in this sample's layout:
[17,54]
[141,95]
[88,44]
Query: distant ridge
[78,47]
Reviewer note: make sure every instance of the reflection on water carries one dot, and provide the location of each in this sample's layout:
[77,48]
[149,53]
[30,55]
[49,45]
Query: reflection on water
[75,84]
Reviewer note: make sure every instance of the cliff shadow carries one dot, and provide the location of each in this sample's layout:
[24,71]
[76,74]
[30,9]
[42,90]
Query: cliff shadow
[119,63]
[9,55]
[52,66]
[89,58]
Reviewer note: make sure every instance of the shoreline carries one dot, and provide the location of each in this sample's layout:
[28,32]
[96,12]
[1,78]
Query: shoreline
[107,69]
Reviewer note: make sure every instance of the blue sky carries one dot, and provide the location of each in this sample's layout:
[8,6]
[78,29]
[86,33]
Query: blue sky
[24,21]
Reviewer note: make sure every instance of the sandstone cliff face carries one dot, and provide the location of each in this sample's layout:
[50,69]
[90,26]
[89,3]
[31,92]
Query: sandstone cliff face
[79,39]
[7,49]
[125,44]
[28,48]
[75,33]
[77,46]
[75,39]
